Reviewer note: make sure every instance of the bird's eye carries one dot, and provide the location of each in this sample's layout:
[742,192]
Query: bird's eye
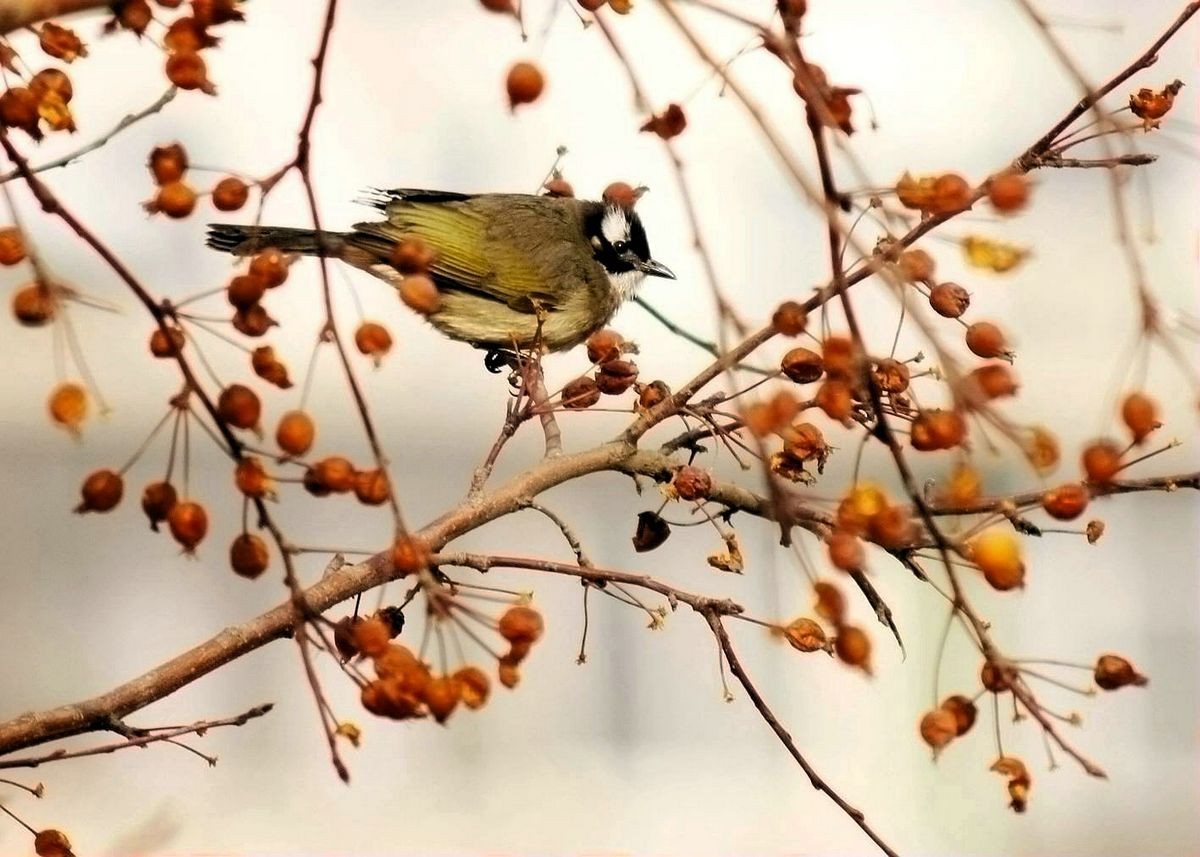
[621,246]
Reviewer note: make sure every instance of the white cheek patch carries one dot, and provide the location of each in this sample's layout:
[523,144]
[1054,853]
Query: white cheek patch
[625,283]
[615,226]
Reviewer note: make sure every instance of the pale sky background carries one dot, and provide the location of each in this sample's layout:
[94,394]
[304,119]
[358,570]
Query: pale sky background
[634,752]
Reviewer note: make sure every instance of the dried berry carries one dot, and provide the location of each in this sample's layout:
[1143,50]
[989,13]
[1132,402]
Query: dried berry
[653,394]
[949,300]
[252,479]
[102,491]
[521,625]
[475,686]
[410,555]
[616,376]
[239,406]
[986,340]
[158,499]
[442,696]
[892,376]
[245,290]
[1114,671]
[187,70]
[60,42]
[789,318]
[996,677]
[51,843]
[371,487]
[270,266]
[1101,461]
[802,365]
[835,399]
[19,109]
[34,305]
[845,551]
[580,393]
[622,195]
[829,603]
[412,256]
[189,524]
[964,711]
[335,473]
[805,635]
[651,532]
[166,343]
[670,123]
[12,246]
[176,200]
[371,636]
[692,483]
[853,647]
[1008,193]
[248,556]
[604,345]
[230,194]
[268,367]
[916,264]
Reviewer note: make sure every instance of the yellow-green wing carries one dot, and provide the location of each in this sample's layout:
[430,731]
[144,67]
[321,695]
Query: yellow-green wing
[468,255]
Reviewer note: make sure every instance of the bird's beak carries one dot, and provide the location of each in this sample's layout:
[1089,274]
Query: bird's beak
[656,269]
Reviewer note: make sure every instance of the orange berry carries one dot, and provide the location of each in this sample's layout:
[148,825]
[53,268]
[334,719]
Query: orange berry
[168,163]
[60,42]
[12,246]
[253,321]
[509,672]
[335,473]
[835,399]
[245,291]
[230,194]
[420,294]
[499,6]
[964,711]
[998,555]
[248,556]
[412,256]
[176,200]
[371,636]
[853,647]
[371,487]
[830,604]
[268,367]
[892,376]
[1101,461]
[951,193]
[1140,415]
[270,266]
[410,554]
[68,406]
[102,491]
[189,524]
[521,625]
[373,340]
[475,686]
[996,678]
[19,109]
[524,84]
[33,305]
[986,340]
[938,728]
[442,696]
[789,318]
[187,70]
[295,433]
[51,843]
[916,264]
[1066,502]
[845,551]
[621,195]
[1008,193]
[251,478]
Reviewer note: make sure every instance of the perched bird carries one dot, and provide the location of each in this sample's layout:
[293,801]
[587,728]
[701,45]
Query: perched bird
[503,262]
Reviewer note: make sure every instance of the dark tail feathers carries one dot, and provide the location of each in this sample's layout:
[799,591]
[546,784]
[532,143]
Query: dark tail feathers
[245,240]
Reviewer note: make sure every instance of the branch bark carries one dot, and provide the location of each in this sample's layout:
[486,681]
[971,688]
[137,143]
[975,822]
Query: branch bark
[22,13]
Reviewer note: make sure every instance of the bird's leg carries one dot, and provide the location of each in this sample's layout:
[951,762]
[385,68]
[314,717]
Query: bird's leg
[535,385]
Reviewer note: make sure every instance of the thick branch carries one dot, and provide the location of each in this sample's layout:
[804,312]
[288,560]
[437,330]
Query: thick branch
[16,14]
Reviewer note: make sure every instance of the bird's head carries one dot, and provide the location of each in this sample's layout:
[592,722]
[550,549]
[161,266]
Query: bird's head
[619,243]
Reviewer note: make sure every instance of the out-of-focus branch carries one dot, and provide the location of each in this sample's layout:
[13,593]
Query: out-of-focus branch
[16,14]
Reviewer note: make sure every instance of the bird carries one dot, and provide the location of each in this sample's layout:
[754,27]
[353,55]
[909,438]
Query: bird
[514,271]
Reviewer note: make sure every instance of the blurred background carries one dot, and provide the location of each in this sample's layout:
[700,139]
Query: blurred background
[635,751]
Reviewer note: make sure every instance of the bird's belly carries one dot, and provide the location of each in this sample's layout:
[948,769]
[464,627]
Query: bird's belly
[484,322]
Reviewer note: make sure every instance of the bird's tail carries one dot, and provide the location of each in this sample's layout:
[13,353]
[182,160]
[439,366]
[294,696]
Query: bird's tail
[245,240]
